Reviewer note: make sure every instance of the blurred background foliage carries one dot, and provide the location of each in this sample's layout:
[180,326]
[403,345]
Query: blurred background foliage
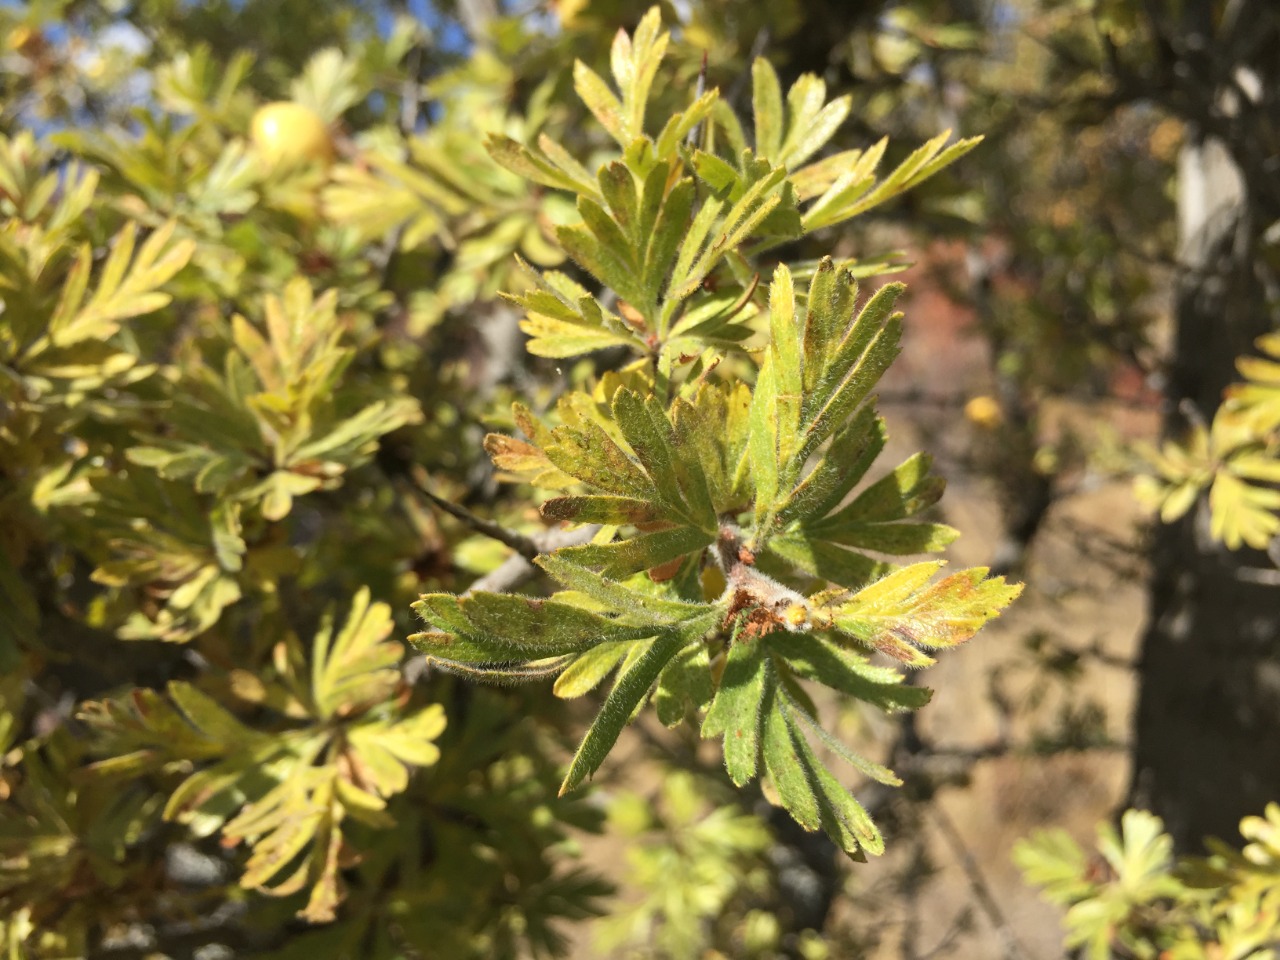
[234,358]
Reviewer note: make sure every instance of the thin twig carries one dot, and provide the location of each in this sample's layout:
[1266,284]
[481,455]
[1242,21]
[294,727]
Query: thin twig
[913,882]
[958,926]
[526,547]
[695,131]
[1009,945]
[517,568]
[411,92]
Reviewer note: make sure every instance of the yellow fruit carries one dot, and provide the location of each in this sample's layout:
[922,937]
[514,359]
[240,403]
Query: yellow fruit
[983,411]
[289,134]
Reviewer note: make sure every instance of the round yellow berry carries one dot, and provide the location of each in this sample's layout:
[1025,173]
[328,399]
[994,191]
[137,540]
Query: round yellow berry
[289,134]
[983,411]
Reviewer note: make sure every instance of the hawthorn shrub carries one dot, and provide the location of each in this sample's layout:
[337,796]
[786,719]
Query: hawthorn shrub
[229,415]
[728,567]
[254,378]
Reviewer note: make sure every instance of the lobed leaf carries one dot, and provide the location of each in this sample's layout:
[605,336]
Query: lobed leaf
[550,166]
[736,709]
[504,627]
[816,658]
[902,611]
[684,686]
[630,689]
[678,481]
[358,667]
[618,596]
[780,750]
[625,557]
[589,669]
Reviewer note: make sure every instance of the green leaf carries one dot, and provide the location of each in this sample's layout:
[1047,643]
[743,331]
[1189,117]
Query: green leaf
[1053,861]
[771,196]
[780,741]
[868,346]
[410,739]
[1243,513]
[691,266]
[588,670]
[680,124]
[612,510]
[840,815]
[815,658]
[678,479]
[853,449]
[766,106]
[817,178]
[761,194]
[909,489]
[150,727]
[830,302]
[628,692]
[868,521]
[853,194]
[811,123]
[359,667]
[592,456]
[1258,399]
[625,557]
[762,444]
[601,101]
[896,539]
[208,716]
[350,441]
[521,628]
[667,234]
[618,187]
[127,287]
[634,62]
[826,560]
[684,686]
[563,320]
[712,426]
[648,432]
[804,713]
[718,174]
[620,597]
[600,248]
[736,709]
[787,368]
[841,186]
[558,171]
[1141,855]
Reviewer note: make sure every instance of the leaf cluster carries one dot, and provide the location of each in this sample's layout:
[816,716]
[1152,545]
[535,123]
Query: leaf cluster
[738,561]
[211,383]
[671,226]
[1131,896]
[284,791]
[694,868]
[1236,459]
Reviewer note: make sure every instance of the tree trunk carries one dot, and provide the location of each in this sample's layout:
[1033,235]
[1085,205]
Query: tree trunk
[1205,746]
